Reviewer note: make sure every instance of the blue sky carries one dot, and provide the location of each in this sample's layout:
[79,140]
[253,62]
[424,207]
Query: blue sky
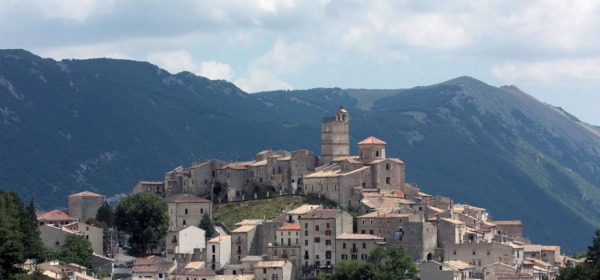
[549,49]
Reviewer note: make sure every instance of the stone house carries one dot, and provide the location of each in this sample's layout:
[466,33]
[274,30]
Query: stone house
[513,229]
[319,227]
[273,270]
[450,231]
[481,254]
[352,246]
[187,209]
[84,205]
[218,252]
[152,267]
[157,187]
[452,270]
[243,242]
[54,237]
[185,244]
[417,236]
[56,218]
[184,273]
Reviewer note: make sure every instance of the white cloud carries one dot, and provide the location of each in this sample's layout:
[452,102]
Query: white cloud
[175,61]
[560,70]
[267,71]
[215,70]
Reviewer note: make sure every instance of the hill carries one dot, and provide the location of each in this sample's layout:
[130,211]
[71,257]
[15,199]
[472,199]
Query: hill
[103,124]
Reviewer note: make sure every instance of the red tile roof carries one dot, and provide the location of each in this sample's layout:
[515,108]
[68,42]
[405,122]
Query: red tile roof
[370,141]
[290,227]
[55,215]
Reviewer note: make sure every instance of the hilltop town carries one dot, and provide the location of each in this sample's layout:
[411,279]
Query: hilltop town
[376,208]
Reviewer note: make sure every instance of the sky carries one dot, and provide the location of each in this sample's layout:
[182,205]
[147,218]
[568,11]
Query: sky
[549,49]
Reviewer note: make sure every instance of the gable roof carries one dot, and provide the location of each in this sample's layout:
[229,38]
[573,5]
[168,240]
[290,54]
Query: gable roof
[87,193]
[371,141]
[186,197]
[55,215]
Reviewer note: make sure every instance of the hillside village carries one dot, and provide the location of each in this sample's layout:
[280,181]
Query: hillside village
[376,208]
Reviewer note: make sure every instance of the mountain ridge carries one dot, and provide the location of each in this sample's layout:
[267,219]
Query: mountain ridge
[104,124]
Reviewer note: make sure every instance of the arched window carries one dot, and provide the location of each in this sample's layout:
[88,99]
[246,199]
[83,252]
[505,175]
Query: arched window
[185,211]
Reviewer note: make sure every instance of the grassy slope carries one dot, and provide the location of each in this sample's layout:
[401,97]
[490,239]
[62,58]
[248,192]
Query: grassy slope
[267,208]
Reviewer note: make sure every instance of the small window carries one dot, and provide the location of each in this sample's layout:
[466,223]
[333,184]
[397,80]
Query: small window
[388,180]
[317,239]
[387,166]
[186,211]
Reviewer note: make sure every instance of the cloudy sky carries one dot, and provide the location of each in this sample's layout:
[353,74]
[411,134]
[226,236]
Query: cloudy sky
[550,49]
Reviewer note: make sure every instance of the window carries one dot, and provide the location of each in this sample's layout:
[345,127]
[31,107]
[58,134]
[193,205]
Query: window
[201,210]
[186,211]
[327,242]
[376,153]
[306,225]
[474,253]
[317,239]
[306,233]
[328,225]
[388,180]
[213,248]
[328,255]
[387,166]
[305,242]
[317,228]
[344,245]
[184,223]
[364,245]
[328,232]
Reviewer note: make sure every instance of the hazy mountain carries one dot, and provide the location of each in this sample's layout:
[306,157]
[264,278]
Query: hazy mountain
[104,124]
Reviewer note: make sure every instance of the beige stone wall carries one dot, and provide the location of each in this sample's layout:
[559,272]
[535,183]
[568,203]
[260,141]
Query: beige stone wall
[354,249]
[84,207]
[479,254]
[335,140]
[188,213]
[242,244]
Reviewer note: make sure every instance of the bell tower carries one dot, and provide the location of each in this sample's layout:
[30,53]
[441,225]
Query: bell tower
[335,139]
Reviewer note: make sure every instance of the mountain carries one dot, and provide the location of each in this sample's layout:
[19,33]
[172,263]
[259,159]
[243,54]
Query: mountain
[104,124]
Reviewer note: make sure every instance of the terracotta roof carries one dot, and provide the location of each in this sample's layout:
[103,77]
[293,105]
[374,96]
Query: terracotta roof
[186,197]
[55,215]
[322,214]
[452,221]
[86,193]
[371,141]
[303,209]
[356,236]
[290,227]
[194,271]
[245,228]
[459,264]
[266,264]
[219,238]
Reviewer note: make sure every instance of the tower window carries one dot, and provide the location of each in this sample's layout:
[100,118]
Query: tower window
[376,153]
[387,166]
[388,180]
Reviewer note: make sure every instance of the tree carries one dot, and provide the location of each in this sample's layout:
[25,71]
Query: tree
[77,249]
[106,215]
[590,268]
[390,263]
[208,226]
[144,217]
[12,249]
[34,248]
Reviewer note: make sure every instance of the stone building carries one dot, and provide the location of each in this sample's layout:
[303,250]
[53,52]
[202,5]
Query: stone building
[273,270]
[352,246]
[218,252]
[450,231]
[185,244]
[55,217]
[157,187]
[483,254]
[84,205]
[335,138]
[54,237]
[244,242]
[411,231]
[319,228]
[187,209]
